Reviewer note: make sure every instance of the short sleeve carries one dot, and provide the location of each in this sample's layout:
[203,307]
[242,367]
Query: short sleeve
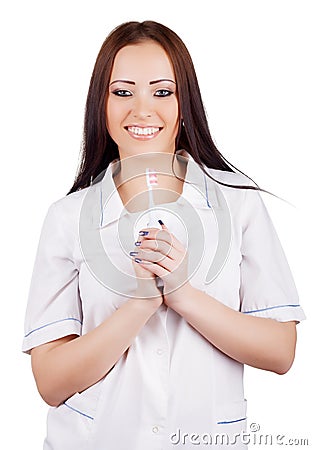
[267,287]
[54,307]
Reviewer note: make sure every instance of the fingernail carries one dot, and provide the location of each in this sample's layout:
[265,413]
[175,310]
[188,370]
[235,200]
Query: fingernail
[161,222]
[143,233]
[137,260]
[133,253]
[137,243]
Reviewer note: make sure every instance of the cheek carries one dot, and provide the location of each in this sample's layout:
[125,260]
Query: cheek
[115,114]
[171,113]
[111,111]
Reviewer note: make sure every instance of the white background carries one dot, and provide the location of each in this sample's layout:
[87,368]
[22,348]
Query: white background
[253,60]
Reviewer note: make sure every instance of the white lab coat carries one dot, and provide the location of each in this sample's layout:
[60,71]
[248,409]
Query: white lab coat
[171,388]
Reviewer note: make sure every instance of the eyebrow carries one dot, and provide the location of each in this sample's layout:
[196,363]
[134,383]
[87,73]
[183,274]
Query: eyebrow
[162,79]
[151,82]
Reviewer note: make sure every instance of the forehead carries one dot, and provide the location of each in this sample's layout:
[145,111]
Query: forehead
[146,60]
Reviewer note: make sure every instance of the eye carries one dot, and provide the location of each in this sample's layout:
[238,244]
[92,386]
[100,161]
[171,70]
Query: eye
[122,93]
[163,93]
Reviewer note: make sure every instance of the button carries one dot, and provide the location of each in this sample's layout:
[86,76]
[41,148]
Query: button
[155,429]
[159,351]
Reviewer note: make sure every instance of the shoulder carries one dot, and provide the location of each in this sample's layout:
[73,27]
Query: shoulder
[226,181]
[241,202]
[63,216]
[227,177]
[66,210]
[71,201]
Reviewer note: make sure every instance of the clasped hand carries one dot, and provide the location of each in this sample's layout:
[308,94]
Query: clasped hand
[159,253]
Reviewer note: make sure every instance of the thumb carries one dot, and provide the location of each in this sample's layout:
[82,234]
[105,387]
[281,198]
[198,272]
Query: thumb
[162,224]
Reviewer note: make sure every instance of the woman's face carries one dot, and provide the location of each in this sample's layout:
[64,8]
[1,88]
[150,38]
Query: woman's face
[142,106]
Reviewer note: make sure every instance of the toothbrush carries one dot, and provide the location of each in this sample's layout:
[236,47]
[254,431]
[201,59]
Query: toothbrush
[151,181]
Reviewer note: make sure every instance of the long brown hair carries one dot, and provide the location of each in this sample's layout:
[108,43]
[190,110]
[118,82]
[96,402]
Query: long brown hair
[98,148]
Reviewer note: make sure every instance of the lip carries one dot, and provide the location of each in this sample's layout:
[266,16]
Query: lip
[143,137]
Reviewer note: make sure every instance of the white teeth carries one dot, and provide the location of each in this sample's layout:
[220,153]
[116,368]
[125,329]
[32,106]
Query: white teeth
[143,131]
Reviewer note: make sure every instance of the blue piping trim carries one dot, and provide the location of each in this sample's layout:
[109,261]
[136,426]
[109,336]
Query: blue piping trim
[102,212]
[271,307]
[52,323]
[206,192]
[77,411]
[231,421]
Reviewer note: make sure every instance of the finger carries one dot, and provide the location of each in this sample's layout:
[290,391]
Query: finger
[161,235]
[175,242]
[156,269]
[162,247]
[141,272]
[152,258]
[143,234]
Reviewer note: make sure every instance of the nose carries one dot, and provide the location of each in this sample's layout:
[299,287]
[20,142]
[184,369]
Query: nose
[142,107]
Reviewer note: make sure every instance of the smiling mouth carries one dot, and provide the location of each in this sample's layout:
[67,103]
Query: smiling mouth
[143,133]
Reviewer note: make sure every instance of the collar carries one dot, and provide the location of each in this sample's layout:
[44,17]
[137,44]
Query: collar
[199,190]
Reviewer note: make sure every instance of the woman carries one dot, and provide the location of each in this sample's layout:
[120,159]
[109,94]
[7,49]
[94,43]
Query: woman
[138,330]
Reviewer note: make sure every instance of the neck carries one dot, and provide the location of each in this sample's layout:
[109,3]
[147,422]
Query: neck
[165,164]
[130,178]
